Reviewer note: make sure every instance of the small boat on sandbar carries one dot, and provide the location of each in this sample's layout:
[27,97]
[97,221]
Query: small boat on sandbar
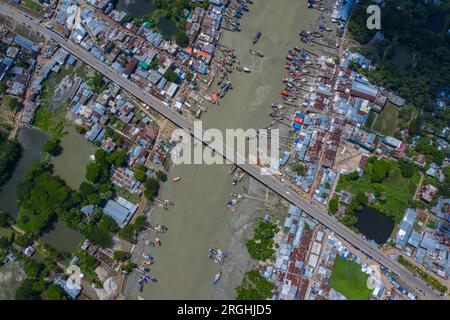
[256,37]
[257,53]
[243,69]
[216,278]
[176,179]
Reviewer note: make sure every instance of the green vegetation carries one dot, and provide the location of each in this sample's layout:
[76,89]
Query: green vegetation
[394,192]
[261,247]
[33,5]
[386,122]
[370,119]
[96,83]
[55,292]
[425,275]
[429,52]
[171,76]
[87,265]
[10,153]
[426,146]
[254,287]
[53,147]
[151,188]
[13,103]
[121,255]
[42,196]
[299,169]
[348,279]
[139,174]
[27,291]
[130,231]
[333,205]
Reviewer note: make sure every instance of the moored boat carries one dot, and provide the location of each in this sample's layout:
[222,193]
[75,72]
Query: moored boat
[217,278]
[257,37]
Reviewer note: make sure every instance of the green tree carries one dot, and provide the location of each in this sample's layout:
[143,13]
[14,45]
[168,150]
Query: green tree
[380,170]
[25,291]
[53,147]
[139,174]
[334,205]
[407,169]
[299,169]
[121,256]
[13,104]
[181,39]
[55,292]
[93,172]
[171,76]
[151,188]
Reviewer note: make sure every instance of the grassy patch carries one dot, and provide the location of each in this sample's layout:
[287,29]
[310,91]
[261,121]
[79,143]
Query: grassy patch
[254,287]
[348,279]
[370,120]
[394,193]
[32,5]
[386,122]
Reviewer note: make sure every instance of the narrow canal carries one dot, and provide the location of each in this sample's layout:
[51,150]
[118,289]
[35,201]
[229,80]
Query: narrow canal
[200,218]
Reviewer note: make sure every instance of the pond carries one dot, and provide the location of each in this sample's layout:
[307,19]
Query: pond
[62,238]
[139,8]
[374,225]
[71,164]
[32,141]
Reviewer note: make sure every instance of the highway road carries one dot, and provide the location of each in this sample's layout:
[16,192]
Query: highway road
[283,190]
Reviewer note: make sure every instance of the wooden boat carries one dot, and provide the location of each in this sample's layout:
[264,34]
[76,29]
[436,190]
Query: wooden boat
[243,69]
[217,278]
[257,53]
[257,37]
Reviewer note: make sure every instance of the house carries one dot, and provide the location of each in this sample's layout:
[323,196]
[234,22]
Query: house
[69,286]
[121,211]
[428,192]
[406,227]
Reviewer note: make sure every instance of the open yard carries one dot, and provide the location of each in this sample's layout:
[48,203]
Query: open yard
[394,193]
[386,122]
[50,116]
[348,279]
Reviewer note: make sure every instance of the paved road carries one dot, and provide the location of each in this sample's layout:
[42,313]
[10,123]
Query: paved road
[270,181]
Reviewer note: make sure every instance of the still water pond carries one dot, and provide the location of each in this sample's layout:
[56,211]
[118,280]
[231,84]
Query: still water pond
[374,225]
[139,8]
[32,141]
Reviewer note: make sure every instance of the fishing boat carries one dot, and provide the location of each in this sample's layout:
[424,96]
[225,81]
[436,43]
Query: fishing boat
[216,278]
[243,69]
[256,37]
[277,106]
[176,179]
[257,53]
[212,251]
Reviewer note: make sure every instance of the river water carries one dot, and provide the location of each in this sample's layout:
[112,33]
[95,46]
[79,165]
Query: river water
[200,218]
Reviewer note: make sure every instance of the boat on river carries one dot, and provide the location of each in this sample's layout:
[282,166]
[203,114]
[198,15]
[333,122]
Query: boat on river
[257,53]
[176,179]
[217,278]
[257,37]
